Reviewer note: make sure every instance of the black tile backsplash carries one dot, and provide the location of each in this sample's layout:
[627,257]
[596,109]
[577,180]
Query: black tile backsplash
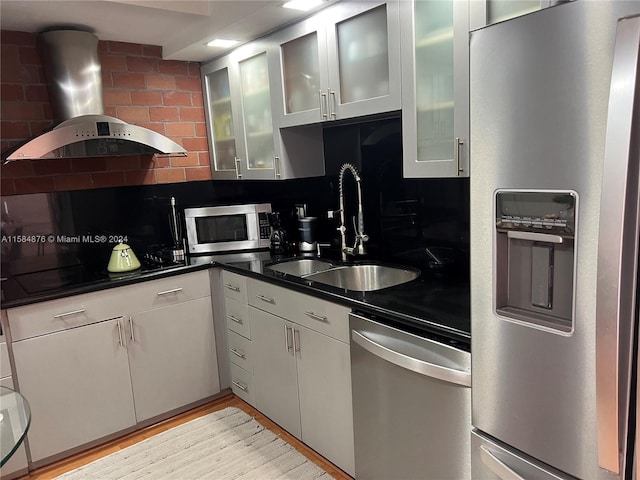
[403,217]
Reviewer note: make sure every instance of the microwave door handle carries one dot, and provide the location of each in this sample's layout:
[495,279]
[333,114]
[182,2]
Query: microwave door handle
[617,247]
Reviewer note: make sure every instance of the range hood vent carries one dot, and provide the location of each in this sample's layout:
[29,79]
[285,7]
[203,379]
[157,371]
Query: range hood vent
[74,75]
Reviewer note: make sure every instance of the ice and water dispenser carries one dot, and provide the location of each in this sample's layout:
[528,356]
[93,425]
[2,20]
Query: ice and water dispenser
[535,257]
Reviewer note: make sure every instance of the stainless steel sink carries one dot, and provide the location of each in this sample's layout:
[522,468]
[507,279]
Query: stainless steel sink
[364,277]
[301,267]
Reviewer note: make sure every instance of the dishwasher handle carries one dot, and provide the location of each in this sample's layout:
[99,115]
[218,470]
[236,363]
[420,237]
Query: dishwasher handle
[432,370]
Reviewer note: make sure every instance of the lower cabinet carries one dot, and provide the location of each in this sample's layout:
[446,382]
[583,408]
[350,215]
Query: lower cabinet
[171,354]
[77,384]
[301,368]
[93,377]
[275,376]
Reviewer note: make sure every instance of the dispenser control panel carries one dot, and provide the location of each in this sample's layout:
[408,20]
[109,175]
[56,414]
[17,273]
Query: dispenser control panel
[551,212]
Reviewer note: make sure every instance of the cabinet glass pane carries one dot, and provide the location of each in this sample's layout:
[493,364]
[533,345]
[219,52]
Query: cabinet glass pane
[221,120]
[256,109]
[364,56]
[499,10]
[301,73]
[434,79]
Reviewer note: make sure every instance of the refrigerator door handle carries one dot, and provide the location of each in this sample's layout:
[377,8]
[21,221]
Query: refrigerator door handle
[617,249]
[432,370]
[501,469]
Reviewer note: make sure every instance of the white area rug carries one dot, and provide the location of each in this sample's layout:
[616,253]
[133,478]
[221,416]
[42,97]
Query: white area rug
[228,444]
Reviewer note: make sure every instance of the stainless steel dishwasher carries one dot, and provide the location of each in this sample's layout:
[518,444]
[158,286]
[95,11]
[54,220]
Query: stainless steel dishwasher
[411,404]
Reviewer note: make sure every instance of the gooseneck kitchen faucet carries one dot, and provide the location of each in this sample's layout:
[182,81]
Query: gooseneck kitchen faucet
[360,237]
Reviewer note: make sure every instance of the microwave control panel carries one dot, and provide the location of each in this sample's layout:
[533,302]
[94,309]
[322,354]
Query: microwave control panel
[264,226]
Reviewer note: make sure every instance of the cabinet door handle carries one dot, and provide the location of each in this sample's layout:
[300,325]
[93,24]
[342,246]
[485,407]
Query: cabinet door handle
[66,314]
[287,343]
[167,292]
[120,340]
[459,143]
[296,344]
[133,336]
[236,162]
[315,316]
[323,102]
[333,103]
[276,165]
[266,299]
[232,287]
[240,386]
[237,353]
[234,319]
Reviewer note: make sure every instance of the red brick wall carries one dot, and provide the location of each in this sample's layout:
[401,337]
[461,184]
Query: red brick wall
[138,87]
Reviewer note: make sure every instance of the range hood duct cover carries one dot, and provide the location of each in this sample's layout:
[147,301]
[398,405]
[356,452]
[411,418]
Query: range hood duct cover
[74,75]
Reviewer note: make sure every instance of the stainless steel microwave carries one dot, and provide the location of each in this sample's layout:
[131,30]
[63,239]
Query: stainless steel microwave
[227,228]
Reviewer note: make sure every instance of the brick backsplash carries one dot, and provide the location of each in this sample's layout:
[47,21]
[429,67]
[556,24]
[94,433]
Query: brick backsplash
[139,87]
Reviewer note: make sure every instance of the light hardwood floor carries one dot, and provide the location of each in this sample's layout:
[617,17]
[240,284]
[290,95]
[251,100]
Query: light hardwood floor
[52,471]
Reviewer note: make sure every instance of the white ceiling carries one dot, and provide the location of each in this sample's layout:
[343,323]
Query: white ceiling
[181,27]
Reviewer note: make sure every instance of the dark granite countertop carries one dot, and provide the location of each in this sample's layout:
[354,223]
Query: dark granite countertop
[15,294]
[430,304]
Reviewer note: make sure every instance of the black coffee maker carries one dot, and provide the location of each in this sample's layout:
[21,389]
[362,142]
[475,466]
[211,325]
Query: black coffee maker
[279,241]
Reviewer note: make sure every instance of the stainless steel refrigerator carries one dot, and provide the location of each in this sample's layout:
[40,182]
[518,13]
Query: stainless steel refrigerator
[555,138]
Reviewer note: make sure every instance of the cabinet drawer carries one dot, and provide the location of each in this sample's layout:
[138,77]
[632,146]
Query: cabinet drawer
[165,291]
[234,286]
[78,310]
[240,351]
[237,317]
[312,312]
[269,297]
[242,384]
[64,313]
[321,316]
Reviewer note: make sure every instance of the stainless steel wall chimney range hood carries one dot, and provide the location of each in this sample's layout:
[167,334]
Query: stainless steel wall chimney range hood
[73,72]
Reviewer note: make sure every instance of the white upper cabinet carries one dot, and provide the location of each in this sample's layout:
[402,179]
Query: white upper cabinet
[435,89]
[343,62]
[238,109]
[244,140]
[486,12]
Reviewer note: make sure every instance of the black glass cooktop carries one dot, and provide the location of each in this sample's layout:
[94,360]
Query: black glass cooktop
[65,277]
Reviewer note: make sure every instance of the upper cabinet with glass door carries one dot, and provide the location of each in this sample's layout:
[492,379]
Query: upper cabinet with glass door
[244,142]
[343,62]
[220,110]
[486,12]
[238,112]
[435,88]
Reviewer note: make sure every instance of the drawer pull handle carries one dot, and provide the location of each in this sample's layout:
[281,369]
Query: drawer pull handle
[315,316]
[240,386]
[232,287]
[237,353]
[167,292]
[266,299]
[66,314]
[234,319]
